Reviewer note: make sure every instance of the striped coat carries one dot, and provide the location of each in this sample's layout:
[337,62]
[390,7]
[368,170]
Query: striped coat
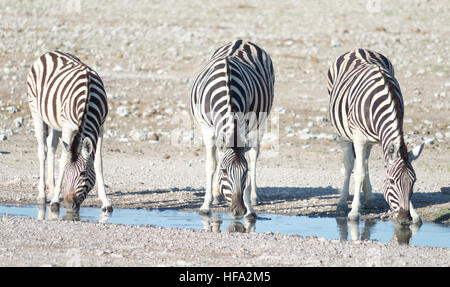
[366,107]
[231,99]
[67,98]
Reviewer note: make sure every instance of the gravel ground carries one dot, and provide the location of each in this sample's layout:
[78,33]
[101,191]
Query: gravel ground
[148,55]
[61,243]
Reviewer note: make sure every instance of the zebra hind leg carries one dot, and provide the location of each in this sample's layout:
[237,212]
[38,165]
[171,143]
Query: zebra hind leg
[41,130]
[367,187]
[349,160]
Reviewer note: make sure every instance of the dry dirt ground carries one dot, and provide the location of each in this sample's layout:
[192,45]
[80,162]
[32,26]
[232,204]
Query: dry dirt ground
[148,54]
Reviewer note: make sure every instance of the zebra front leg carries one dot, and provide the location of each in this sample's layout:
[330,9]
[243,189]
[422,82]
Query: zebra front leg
[65,140]
[415,217]
[40,129]
[210,168]
[360,148]
[98,165]
[349,160]
[367,187]
[52,144]
[250,214]
[253,156]
[216,191]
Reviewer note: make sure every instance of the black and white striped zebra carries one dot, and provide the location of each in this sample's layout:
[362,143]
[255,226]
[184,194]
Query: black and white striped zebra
[231,99]
[68,103]
[366,107]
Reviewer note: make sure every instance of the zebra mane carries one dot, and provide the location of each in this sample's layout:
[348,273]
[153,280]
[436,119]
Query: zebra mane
[396,99]
[231,131]
[77,140]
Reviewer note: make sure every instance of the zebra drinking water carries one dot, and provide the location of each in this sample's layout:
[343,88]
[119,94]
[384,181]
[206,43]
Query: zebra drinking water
[231,99]
[68,97]
[366,107]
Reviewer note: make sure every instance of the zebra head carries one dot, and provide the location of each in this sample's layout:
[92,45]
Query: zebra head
[399,183]
[232,178]
[80,176]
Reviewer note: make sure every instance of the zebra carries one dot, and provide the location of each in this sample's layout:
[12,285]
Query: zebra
[68,102]
[231,99]
[366,107]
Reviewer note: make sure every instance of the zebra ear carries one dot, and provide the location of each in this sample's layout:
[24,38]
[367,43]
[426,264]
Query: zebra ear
[64,145]
[415,152]
[86,147]
[392,151]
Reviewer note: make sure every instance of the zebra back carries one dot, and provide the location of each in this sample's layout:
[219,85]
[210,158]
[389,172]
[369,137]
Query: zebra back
[234,91]
[68,93]
[365,95]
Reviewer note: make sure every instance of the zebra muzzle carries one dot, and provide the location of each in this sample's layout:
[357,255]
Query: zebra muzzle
[69,200]
[403,216]
[237,208]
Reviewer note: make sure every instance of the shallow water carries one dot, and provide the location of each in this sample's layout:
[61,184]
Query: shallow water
[429,234]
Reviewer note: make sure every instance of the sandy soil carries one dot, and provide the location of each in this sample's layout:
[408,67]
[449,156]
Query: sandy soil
[148,55]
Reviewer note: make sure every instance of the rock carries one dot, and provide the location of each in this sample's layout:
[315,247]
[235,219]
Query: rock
[3,137]
[166,156]
[11,109]
[428,140]
[154,137]
[138,135]
[123,111]
[18,122]
[335,43]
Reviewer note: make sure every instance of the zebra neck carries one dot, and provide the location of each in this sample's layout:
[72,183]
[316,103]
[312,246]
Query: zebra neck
[86,128]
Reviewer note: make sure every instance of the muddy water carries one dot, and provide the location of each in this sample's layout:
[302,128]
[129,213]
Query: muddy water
[429,234]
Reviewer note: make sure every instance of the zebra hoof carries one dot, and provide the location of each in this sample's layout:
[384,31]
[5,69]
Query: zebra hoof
[216,200]
[41,200]
[416,221]
[250,217]
[353,216]
[54,206]
[342,208]
[204,212]
[107,209]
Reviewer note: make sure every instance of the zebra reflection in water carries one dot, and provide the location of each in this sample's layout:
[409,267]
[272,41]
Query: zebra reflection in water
[402,233]
[214,221]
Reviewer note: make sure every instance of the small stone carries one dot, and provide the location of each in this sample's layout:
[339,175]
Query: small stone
[428,141]
[166,156]
[18,122]
[154,137]
[123,111]
[138,135]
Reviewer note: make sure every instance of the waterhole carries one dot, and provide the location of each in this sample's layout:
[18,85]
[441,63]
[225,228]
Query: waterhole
[428,234]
